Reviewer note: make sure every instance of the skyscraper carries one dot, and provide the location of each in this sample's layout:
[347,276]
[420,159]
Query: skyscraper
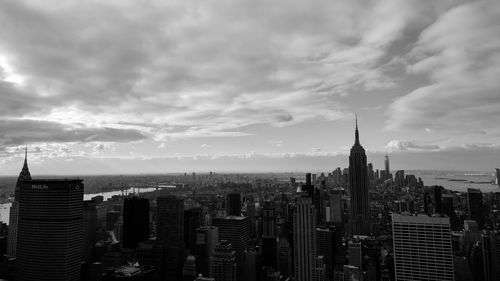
[50,230]
[475,205]
[233,204]
[269,219]
[14,209]
[422,248]
[223,266]
[304,238]
[497,178]
[234,229]
[387,168]
[135,221]
[358,182]
[170,233]
[206,240]
[491,255]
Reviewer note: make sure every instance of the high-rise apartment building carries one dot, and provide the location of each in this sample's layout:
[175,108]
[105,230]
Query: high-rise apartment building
[135,221]
[304,238]
[422,248]
[14,209]
[358,182]
[50,230]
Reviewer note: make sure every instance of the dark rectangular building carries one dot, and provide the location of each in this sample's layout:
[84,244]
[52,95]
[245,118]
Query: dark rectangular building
[50,230]
[135,221]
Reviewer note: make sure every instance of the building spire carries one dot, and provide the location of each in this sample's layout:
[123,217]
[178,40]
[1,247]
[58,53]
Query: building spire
[26,155]
[356,134]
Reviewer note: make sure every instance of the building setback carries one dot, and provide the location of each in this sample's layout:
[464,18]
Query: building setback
[358,182]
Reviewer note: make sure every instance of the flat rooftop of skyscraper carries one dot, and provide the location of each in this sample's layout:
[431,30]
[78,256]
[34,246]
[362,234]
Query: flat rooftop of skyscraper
[420,218]
[235,217]
[53,180]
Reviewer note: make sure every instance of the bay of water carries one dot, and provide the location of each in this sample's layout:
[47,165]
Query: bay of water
[460,181]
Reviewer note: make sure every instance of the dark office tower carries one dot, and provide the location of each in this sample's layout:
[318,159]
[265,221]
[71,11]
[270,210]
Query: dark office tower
[497,178]
[135,221]
[476,261]
[284,257]
[399,178]
[304,238]
[170,233]
[387,170]
[193,218]
[50,230]
[326,247]
[358,182]
[371,174]
[269,219]
[437,199]
[249,262]
[112,218]
[235,230]
[308,179]
[308,187]
[14,209]
[233,204]
[428,205]
[475,205]
[491,255]
[90,226]
[189,269]
[206,240]
[355,254]
[269,252]
[223,265]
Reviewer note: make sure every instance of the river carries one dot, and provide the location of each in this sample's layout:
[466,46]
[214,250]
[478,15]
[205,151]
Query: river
[5,208]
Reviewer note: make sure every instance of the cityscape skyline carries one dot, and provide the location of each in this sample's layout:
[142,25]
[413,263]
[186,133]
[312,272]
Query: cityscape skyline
[121,86]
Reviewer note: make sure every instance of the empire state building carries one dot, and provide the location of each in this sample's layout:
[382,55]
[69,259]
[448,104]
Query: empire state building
[358,182]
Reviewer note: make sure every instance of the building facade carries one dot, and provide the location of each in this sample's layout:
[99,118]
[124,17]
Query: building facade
[358,182]
[304,238]
[50,230]
[422,248]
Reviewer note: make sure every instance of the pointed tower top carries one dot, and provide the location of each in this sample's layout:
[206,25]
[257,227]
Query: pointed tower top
[356,134]
[25,166]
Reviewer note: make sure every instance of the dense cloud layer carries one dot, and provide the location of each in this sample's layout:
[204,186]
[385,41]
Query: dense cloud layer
[124,71]
[460,53]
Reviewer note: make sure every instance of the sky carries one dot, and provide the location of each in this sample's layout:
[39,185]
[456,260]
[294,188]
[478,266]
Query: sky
[105,87]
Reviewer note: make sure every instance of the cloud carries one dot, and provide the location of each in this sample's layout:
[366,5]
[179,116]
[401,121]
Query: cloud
[277,143]
[218,65]
[398,145]
[23,131]
[460,54]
